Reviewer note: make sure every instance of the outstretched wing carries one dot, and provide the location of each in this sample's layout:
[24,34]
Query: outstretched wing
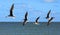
[12,7]
[25,19]
[37,19]
[24,22]
[50,20]
[48,14]
[26,15]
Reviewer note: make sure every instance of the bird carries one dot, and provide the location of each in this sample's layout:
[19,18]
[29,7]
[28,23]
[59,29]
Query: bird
[11,11]
[25,18]
[36,21]
[49,21]
[48,17]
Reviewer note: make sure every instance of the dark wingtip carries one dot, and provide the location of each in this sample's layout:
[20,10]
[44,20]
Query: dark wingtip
[26,11]
[39,16]
[50,10]
[13,4]
[53,17]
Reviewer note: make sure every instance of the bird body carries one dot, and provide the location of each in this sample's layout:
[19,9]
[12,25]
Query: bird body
[11,11]
[49,21]
[48,14]
[36,21]
[25,19]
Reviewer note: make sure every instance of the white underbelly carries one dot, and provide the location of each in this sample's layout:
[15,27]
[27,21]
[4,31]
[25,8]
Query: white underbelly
[36,23]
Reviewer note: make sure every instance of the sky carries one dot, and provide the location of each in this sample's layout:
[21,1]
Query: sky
[35,8]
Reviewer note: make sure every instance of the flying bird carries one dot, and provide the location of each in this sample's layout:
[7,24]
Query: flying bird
[11,11]
[47,17]
[25,18]
[36,21]
[49,21]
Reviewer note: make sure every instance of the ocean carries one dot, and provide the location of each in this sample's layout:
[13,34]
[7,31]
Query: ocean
[16,28]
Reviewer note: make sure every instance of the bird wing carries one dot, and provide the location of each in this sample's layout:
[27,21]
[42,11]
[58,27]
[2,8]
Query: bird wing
[24,22]
[26,15]
[37,19]
[48,13]
[50,21]
[12,7]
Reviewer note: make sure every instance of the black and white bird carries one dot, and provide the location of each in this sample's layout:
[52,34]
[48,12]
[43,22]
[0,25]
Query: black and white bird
[48,15]
[36,21]
[11,11]
[49,21]
[25,19]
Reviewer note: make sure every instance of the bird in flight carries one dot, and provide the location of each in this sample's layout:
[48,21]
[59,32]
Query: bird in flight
[47,17]
[49,21]
[36,21]
[25,19]
[11,11]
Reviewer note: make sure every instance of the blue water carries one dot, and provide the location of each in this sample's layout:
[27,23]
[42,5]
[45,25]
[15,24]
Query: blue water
[16,28]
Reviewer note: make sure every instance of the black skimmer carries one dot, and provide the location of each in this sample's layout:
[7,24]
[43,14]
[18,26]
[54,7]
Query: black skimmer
[36,21]
[25,19]
[48,15]
[49,21]
[11,11]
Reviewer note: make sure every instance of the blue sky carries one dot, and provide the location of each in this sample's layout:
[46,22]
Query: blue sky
[35,8]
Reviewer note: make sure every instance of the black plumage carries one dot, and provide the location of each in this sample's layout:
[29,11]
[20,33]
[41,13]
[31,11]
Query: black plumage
[25,19]
[47,17]
[37,19]
[11,10]
[50,20]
